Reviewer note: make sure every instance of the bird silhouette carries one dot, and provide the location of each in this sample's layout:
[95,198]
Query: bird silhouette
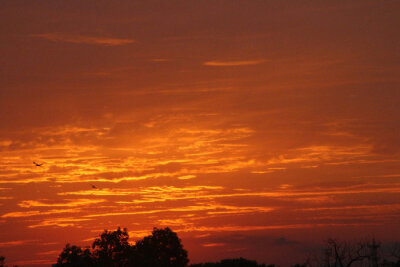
[93,186]
[37,164]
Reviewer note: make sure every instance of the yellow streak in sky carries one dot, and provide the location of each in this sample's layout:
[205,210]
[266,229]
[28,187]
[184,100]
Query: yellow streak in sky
[82,39]
[216,63]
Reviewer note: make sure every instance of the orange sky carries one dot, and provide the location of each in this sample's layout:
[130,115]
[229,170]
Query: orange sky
[251,128]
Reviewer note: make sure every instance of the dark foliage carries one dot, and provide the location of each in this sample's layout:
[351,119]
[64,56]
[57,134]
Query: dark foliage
[74,256]
[111,248]
[162,248]
[354,254]
[2,262]
[232,263]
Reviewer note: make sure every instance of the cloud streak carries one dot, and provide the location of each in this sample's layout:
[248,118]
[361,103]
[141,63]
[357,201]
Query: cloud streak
[68,203]
[16,243]
[218,63]
[83,39]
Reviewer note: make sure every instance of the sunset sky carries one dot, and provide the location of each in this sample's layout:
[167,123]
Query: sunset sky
[251,128]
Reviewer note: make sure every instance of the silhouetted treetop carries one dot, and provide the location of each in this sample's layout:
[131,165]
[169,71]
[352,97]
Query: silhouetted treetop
[74,256]
[111,248]
[162,248]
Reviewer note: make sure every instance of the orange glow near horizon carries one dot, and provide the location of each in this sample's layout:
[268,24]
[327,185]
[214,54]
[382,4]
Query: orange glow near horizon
[253,129]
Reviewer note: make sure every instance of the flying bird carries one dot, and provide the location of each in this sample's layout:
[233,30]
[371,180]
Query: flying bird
[93,186]
[37,164]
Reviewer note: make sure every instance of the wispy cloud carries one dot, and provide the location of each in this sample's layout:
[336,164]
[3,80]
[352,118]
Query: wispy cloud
[19,214]
[60,222]
[241,228]
[69,203]
[217,63]
[34,262]
[329,154]
[16,243]
[209,209]
[83,39]
[213,244]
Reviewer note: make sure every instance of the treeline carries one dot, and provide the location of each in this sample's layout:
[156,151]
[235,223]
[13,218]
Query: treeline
[163,248]
[241,262]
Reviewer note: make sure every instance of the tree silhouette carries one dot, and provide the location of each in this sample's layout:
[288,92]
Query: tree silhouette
[396,253]
[162,248]
[112,248]
[347,254]
[74,256]
[241,262]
